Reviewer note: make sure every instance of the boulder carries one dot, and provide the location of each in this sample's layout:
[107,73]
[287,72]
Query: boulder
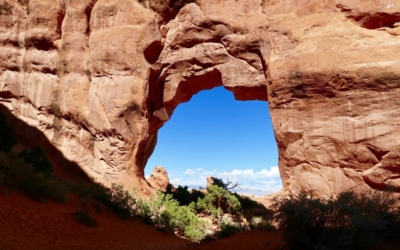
[159,178]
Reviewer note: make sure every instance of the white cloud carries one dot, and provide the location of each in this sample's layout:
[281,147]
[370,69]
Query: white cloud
[199,172]
[249,173]
[267,180]
[176,180]
[270,173]
[189,171]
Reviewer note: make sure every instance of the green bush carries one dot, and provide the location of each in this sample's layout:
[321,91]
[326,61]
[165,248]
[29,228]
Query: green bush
[196,231]
[8,138]
[30,172]
[115,197]
[121,201]
[258,222]
[165,213]
[18,173]
[228,185]
[218,201]
[183,195]
[228,227]
[13,166]
[352,221]
[150,210]
[38,187]
[84,217]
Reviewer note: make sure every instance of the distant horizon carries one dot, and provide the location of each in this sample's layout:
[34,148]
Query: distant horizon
[215,135]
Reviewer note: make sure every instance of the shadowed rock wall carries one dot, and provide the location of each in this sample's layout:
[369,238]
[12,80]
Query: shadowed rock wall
[99,78]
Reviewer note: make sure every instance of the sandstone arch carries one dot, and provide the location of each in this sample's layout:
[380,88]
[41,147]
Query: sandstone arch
[214,134]
[113,71]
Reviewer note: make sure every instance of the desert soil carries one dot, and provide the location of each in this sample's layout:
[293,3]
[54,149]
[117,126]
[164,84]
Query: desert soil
[29,224]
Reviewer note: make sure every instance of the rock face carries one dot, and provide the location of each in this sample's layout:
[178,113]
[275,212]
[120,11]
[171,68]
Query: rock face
[99,78]
[159,178]
[210,181]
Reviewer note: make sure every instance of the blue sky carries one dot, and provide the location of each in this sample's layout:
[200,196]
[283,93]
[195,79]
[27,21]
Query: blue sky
[215,135]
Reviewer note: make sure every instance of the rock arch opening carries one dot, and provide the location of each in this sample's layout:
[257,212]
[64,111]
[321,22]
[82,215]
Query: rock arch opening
[215,135]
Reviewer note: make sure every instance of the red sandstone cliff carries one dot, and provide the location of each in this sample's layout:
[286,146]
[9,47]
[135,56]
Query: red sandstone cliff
[99,78]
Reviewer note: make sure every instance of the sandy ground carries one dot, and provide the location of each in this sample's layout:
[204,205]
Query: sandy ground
[28,224]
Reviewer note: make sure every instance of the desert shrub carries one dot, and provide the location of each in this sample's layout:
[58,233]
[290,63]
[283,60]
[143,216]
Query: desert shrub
[183,219]
[158,210]
[149,209]
[179,216]
[258,222]
[165,213]
[352,221]
[228,185]
[121,201]
[85,218]
[195,195]
[218,201]
[20,174]
[39,187]
[196,231]
[116,197]
[8,138]
[183,195]
[13,166]
[228,230]
[246,202]
[228,227]
[79,189]
[38,160]
[37,182]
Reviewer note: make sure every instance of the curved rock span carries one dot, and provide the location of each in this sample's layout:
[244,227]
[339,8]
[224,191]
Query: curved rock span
[99,78]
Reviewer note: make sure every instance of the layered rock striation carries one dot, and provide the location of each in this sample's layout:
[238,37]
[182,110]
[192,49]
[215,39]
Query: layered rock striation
[99,78]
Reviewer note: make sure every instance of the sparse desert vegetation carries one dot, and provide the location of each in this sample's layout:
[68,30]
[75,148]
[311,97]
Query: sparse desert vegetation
[349,221]
[191,214]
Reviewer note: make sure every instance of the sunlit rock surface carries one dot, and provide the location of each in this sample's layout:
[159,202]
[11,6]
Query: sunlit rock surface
[99,78]
[159,178]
